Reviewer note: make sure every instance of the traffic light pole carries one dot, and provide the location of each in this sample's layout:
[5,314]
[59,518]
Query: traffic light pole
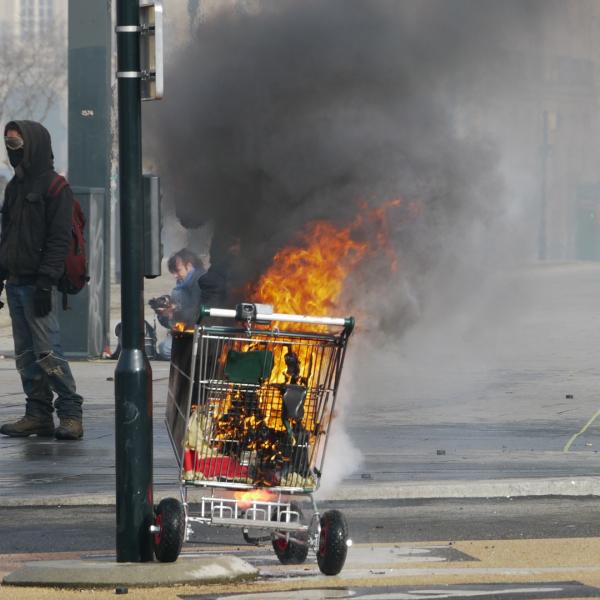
[133,375]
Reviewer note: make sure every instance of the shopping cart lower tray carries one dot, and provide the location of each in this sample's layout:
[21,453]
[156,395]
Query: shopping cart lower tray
[248,413]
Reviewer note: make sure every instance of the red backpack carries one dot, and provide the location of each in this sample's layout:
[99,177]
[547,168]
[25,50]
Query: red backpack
[75,276]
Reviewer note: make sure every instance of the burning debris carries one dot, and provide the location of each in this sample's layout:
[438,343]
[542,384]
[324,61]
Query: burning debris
[267,399]
[267,406]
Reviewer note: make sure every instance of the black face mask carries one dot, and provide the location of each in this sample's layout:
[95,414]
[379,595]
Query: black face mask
[15,157]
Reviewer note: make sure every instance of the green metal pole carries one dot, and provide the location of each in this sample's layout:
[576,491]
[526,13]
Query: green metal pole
[133,375]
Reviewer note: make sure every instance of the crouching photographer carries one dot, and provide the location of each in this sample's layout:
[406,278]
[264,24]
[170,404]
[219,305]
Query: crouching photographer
[183,304]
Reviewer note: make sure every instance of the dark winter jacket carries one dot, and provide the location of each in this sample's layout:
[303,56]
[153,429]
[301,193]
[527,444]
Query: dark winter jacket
[213,287]
[36,226]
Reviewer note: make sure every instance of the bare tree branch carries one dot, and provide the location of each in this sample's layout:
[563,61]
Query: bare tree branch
[33,76]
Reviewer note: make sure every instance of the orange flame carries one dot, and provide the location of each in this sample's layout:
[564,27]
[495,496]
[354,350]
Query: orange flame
[245,499]
[309,278]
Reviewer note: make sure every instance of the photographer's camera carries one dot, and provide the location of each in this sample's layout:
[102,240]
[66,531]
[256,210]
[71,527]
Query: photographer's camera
[160,303]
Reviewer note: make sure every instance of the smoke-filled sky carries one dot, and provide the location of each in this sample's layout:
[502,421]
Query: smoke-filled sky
[300,110]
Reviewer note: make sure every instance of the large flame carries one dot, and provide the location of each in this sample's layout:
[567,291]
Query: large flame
[309,278]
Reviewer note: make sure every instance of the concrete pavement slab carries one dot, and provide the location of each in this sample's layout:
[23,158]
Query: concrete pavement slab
[100,573]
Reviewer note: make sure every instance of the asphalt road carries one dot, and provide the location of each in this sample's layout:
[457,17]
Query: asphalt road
[89,528]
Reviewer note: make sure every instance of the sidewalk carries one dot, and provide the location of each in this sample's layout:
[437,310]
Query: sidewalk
[464,427]
[40,470]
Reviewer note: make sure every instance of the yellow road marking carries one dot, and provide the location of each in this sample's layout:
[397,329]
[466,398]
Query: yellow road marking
[582,430]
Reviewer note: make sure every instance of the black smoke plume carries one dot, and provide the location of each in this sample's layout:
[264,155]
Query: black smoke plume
[300,109]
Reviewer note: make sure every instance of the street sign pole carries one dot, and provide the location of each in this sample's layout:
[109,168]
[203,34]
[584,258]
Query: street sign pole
[85,327]
[133,374]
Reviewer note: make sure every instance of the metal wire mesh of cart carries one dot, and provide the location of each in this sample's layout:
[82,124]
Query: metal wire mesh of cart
[253,407]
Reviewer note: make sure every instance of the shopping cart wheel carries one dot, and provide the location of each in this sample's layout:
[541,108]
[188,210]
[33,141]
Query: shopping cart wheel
[170,518]
[291,552]
[333,539]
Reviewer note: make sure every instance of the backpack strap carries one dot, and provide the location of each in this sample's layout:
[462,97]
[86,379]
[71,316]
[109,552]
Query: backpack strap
[59,183]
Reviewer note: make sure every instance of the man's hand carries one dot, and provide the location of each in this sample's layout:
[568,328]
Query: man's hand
[1,290]
[42,301]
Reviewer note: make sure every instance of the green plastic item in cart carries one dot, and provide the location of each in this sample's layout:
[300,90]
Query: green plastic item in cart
[248,367]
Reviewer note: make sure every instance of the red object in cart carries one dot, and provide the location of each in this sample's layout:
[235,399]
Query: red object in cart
[214,466]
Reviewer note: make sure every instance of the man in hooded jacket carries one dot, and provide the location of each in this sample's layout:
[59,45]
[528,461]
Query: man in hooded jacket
[36,225]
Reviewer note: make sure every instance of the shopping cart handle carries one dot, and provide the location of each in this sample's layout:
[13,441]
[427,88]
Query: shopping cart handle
[247,312]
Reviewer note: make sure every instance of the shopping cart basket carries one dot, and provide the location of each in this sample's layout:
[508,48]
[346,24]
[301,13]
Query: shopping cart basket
[248,413]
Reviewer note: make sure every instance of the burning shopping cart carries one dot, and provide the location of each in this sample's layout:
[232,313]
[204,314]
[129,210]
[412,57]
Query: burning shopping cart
[248,413]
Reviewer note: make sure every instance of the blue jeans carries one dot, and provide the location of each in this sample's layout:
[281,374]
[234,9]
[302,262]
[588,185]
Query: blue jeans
[39,357]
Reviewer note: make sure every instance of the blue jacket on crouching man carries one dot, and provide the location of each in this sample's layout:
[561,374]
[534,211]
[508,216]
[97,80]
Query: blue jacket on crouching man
[36,229]
[186,297]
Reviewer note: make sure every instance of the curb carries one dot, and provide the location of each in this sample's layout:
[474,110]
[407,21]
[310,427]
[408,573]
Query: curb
[503,488]
[498,488]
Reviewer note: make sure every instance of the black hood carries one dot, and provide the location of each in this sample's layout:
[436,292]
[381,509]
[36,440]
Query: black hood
[38,157]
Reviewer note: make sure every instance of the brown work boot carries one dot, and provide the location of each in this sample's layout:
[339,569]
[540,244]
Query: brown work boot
[28,425]
[70,428]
